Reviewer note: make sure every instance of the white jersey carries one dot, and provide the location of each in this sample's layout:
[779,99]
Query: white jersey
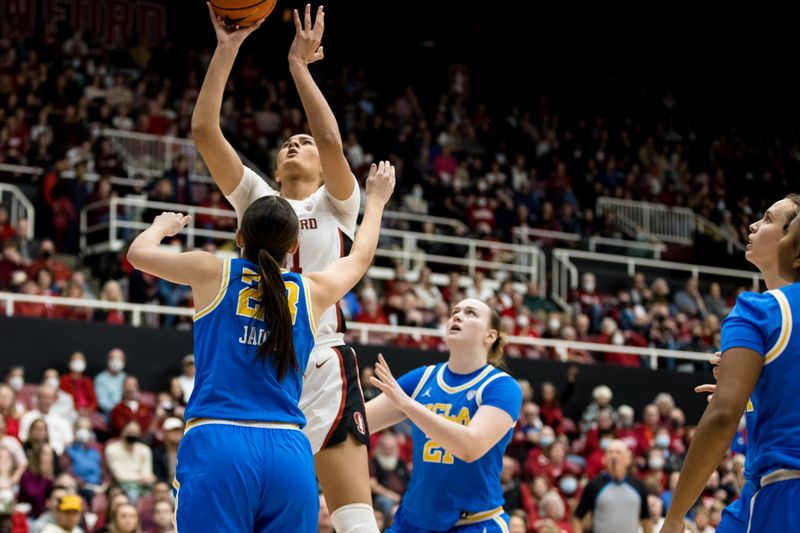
[327,229]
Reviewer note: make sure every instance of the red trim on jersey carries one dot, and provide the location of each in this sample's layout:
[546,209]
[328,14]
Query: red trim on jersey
[339,321]
[358,374]
[341,402]
[341,243]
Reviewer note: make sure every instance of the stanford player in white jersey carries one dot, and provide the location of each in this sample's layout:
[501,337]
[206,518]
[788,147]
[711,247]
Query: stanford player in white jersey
[315,177]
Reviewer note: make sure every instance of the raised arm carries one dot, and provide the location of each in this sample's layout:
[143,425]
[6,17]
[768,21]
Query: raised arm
[201,270]
[219,156]
[739,371]
[330,285]
[306,49]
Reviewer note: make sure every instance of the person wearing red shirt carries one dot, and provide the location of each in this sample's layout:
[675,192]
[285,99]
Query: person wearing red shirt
[79,386]
[130,408]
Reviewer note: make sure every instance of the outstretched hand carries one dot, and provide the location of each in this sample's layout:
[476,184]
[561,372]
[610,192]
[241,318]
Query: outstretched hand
[306,47]
[232,36]
[381,181]
[385,382]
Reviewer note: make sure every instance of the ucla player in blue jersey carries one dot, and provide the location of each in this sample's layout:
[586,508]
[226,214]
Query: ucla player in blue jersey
[243,464]
[463,413]
[760,341]
[762,251]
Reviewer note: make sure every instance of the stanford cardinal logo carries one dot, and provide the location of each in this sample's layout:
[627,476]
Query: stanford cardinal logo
[359,423]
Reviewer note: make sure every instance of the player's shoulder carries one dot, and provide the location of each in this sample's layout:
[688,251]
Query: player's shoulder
[758,306]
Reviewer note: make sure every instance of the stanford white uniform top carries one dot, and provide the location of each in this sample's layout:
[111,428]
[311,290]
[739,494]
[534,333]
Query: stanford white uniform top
[327,229]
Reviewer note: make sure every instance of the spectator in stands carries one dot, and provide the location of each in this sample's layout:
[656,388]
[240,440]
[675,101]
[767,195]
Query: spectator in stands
[389,476]
[518,522]
[12,265]
[601,396]
[176,392]
[51,506]
[714,301]
[186,378]
[162,518]
[178,177]
[6,230]
[79,386]
[111,292]
[614,502]
[131,461]
[108,383]
[369,390]
[37,479]
[59,428]
[73,312]
[666,404]
[84,459]
[130,409]
[68,514]
[552,513]
[9,410]
[509,478]
[46,259]
[534,301]
[689,300]
[453,292]
[647,428]
[17,454]
[165,457]
[479,290]
[64,404]
[125,519]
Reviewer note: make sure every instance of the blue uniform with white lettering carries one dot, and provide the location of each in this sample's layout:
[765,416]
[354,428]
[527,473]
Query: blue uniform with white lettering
[446,493]
[243,464]
[769,324]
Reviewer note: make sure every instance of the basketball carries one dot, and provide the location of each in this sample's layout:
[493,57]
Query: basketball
[242,12]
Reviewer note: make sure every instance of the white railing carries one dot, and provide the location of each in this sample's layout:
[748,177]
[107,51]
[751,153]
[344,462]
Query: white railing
[363,330]
[151,155]
[413,217]
[121,219]
[537,236]
[565,273]
[731,240]
[19,206]
[670,224]
[21,169]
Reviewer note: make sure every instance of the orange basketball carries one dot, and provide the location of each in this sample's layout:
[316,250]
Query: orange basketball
[242,12]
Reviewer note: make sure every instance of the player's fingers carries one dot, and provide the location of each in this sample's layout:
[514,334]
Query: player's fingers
[185,220]
[378,384]
[715,360]
[373,168]
[705,388]
[319,23]
[297,26]
[307,26]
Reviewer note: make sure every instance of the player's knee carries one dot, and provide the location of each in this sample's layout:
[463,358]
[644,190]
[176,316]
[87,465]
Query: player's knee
[355,518]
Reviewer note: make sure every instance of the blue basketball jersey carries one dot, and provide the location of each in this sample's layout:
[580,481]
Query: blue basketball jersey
[444,488]
[769,324]
[231,383]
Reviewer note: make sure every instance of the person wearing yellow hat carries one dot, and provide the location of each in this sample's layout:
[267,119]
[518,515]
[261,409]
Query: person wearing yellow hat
[68,514]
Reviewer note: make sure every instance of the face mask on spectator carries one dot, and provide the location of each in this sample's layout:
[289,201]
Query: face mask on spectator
[131,438]
[115,365]
[83,435]
[656,463]
[568,485]
[588,286]
[604,442]
[662,441]
[618,339]
[16,383]
[554,324]
[52,382]
[77,366]
[546,440]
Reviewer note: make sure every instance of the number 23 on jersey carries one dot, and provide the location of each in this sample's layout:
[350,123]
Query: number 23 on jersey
[249,300]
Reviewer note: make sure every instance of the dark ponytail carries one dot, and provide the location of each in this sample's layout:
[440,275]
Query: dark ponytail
[279,341]
[269,228]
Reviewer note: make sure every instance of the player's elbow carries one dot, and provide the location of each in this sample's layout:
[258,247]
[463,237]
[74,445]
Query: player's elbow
[202,128]
[722,416]
[134,257]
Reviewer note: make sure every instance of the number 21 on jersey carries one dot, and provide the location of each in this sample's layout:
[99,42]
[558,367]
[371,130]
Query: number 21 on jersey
[249,302]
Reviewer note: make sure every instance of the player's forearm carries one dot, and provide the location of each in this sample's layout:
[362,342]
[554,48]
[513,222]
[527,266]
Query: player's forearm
[147,241]
[450,435]
[366,241]
[205,118]
[320,117]
[711,439]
